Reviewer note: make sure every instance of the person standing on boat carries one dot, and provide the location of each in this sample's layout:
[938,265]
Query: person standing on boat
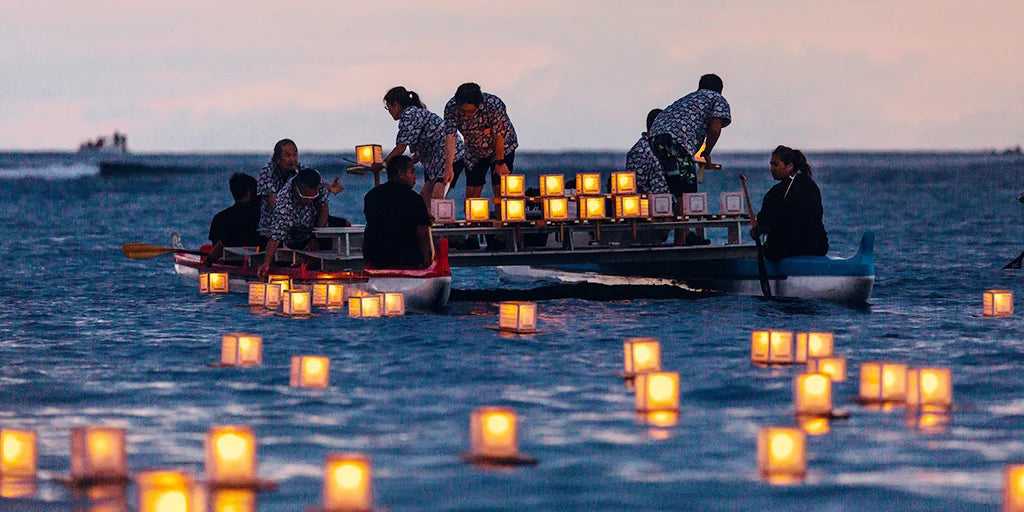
[490,138]
[791,211]
[237,226]
[650,178]
[397,233]
[283,166]
[423,132]
[301,206]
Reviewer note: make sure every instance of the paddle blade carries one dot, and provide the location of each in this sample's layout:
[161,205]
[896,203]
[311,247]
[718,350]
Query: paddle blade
[141,251]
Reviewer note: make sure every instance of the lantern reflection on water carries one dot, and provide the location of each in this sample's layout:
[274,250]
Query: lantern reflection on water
[165,491]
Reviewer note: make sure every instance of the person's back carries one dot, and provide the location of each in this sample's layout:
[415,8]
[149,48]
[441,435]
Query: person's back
[238,225]
[395,218]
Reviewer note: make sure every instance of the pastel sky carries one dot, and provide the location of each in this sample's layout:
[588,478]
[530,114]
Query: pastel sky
[236,75]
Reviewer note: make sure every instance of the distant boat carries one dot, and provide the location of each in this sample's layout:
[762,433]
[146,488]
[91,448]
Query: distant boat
[116,144]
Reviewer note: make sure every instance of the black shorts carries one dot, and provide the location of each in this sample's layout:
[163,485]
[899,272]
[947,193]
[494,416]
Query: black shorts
[477,175]
[678,186]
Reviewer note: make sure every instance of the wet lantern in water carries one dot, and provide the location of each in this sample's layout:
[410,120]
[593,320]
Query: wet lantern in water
[641,355]
[591,207]
[814,425]
[318,295]
[296,303]
[517,316]
[273,296]
[478,209]
[771,347]
[1013,488]
[513,185]
[98,454]
[240,349]
[834,367]
[813,344]
[231,456]
[513,210]
[165,491]
[365,306]
[930,388]
[335,295]
[552,185]
[369,154]
[627,207]
[394,304]
[18,453]
[348,483]
[883,382]
[623,183]
[555,208]
[997,303]
[310,372]
[493,432]
[812,394]
[781,454]
[257,294]
[219,282]
[657,391]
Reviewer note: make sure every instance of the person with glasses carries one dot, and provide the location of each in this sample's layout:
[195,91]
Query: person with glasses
[283,165]
[301,206]
[490,137]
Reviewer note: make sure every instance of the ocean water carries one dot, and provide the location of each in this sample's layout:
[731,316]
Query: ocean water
[90,337]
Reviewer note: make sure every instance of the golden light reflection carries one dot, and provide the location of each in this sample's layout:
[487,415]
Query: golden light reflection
[815,426]
[164,491]
[233,500]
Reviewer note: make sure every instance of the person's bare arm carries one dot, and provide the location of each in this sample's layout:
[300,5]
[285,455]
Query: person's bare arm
[268,259]
[499,154]
[399,149]
[449,158]
[426,244]
[711,138]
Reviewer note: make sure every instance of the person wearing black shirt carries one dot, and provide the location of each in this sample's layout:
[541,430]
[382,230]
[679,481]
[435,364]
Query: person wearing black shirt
[397,233]
[791,211]
[238,225]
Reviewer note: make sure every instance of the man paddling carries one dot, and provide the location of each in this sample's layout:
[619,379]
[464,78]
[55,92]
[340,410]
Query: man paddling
[397,233]
[301,205]
[237,226]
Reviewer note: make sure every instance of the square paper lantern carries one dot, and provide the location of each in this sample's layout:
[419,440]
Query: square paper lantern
[732,203]
[365,306]
[165,491]
[98,453]
[318,295]
[284,281]
[623,183]
[310,372]
[661,205]
[627,206]
[348,482]
[513,210]
[478,209]
[1013,488]
[492,432]
[642,355]
[555,208]
[657,391]
[834,367]
[230,455]
[239,349]
[813,344]
[552,185]
[18,453]
[296,303]
[517,316]
[442,210]
[771,347]
[591,207]
[781,452]
[219,282]
[394,304]
[369,154]
[335,295]
[257,294]
[695,203]
[812,394]
[513,185]
[930,387]
[588,184]
[645,207]
[883,382]
[273,296]
[204,282]
[997,303]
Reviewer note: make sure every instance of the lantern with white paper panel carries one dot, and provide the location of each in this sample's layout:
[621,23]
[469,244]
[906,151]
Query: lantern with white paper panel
[296,303]
[555,208]
[641,355]
[165,491]
[661,205]
[478,209]
[513,185]
[731,203]
[552,185]
[284,281]
[812,394]
[627,207]
[997,303]
[493,432]
[310,372]
[219,282]
[348,483]
[240,349]
[813,344]
[771,347]
[335,295]
[517,316]
[231,455]
[365,306]
[257,294]
[588,184]
[318,294]
[98,454]
[834,367]
[591,207]
[204,282]
[623,183]
[369,154]
[657,391]
[513,210]
[394,304]
[781,452]
[273,296]
[695,203]
[442,210]
[930,387]
[18,453]
[883,382]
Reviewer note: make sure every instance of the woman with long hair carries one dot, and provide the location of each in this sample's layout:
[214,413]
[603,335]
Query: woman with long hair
[791,213]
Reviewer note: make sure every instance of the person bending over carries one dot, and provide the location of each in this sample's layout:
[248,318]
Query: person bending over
[490,137]
[301,206]
[397,233]
[238,225]
[283,166]
[791,210]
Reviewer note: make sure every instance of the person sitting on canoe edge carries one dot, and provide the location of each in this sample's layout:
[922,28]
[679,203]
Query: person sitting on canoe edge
[397,233]
[678,132]
[791,211]
[283,166]
[301,206]
[238,225]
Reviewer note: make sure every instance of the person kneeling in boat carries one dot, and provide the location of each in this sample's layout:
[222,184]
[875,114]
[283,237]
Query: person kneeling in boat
[237,226]
[397,233]
[283,166]
[300,207]
[791,210]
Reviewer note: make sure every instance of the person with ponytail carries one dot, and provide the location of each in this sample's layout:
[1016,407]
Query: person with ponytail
[423,132]
[791,211]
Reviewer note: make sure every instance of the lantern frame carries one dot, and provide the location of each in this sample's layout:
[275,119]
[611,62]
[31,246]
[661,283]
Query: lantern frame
[257,294]
[365,306]
[588,183]
[478,209]
[628,207]
[299,377]
[997,303]
[442,210]
[513,185]
[289,307]
[94,468]
[394,304]
[555,205]
[623,183]
[513,210]
[661,205]
[369,154]
[519,317]
[646,383]
[552,185]
[237,471]
[591,208]
[220,282]
[731,203]
[631,366]
[695,203]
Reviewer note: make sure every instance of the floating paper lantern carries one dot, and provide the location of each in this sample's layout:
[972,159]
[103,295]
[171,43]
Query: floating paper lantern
[1013,488]
[661,205]
[165,491]
[588,184]
[442,210]
[348,483]
[204,282]
[552,185]
[513,185]
[834,367]
[365,306]
[781,452]
[555,208]
[98,454]
[18,453]
[930,387]
[318,295]
[883,382]
[771,347]
[273,296]
[283,280]
[233,500]
[369,154]
[997,303]
[695,203]
[732,203]
[335,295]
[296,303]
[814,425]
[231,455]
[513,210]
[310,372]
[517,316]
[627,206]
[591,207]
[813,344]
[239,349]
[219,282]
[657,391]
[257,294]
[493,432]
[394,304]
[623,183]
[641,355]
[478,209]
[812,394]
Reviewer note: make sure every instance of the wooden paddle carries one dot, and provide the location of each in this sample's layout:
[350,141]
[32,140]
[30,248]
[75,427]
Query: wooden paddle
[762,270]
[141,251]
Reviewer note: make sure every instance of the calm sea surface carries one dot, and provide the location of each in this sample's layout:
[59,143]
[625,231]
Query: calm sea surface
[90,337]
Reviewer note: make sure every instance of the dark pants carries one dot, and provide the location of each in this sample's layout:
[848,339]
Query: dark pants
[678,165]
[477,175]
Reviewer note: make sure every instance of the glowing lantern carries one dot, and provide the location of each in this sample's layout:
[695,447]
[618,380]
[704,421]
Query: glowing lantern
[657,391]
[623,183]
[517,316]
[642,355]
[492,432]
[233,500]
[257,294]
[1013,488]
[20,488]
[555,208]
[814,425]
[812,394]
[165,491]
[335,295]
[930,387]
[771,347]
[348,484]
[645,207]
[588,184]
[273,296]
[442,210]
[660,418]
[18,453]
[813,344]
[365,306]
[239,349]
[834,367]
[478,209]
[296,303]
[231,455]
[513,210]
[781,452]
[310,372]
[394,304]
[627,206]
[661,205]
[318,294]
[204,283]
[513,185]
[883,382]
[219,282]
[732,203]
[284,281]
[369,154]
[997,303]
[98,453]
[591,207]
[695,203]
[552,185]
